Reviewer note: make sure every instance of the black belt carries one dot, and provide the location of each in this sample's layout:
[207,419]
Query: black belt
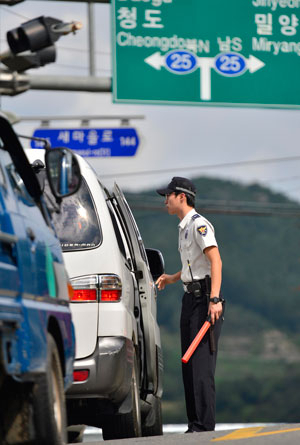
[202,282]
[196,287]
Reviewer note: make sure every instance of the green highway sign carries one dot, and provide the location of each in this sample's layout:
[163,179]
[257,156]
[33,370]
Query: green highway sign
[216,52]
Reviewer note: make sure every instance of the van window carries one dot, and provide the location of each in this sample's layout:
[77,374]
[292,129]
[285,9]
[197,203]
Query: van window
[77,224]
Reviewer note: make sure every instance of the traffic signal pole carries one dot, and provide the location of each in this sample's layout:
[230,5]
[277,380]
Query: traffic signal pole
[70,83]
[13,83]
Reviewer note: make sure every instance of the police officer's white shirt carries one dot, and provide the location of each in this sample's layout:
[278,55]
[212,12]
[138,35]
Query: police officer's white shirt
[196,233]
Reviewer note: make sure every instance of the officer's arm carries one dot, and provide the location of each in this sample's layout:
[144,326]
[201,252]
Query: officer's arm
[213,255]
[165,279]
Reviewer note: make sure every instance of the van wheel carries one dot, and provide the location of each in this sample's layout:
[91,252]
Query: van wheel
[127,425]
[49,401]
[153,422]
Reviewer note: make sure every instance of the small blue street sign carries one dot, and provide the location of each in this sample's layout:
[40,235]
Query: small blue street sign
[90,142]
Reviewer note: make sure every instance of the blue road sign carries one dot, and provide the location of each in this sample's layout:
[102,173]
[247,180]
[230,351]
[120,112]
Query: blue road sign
[230,64]
[91,142]
[181,62]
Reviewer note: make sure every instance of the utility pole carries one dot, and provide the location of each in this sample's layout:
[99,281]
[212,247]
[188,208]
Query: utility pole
[91,33]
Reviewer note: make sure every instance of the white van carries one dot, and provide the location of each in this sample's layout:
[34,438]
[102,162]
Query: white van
[118,367]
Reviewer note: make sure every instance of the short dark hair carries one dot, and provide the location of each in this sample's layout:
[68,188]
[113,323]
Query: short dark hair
[190,200]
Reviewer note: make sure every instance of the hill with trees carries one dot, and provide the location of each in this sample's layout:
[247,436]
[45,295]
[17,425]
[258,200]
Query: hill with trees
[258,231]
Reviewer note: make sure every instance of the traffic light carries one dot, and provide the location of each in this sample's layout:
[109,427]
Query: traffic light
[29,60]
[34,35]
[32,43]
[31,46]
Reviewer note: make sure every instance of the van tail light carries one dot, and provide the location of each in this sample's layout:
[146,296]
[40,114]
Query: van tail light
[110,295]
[94,288]
[85,289]
[81,375]
[110,288]
[84,295]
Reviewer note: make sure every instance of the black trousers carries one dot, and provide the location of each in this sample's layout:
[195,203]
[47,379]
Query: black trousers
[199,373]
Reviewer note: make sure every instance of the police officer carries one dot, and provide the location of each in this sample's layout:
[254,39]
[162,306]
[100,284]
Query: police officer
[201,275]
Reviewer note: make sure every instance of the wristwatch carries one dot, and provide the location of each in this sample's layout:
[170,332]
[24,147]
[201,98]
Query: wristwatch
[215,300]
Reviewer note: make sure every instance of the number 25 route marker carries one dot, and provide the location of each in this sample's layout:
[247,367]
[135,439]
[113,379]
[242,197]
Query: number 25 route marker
[228,64]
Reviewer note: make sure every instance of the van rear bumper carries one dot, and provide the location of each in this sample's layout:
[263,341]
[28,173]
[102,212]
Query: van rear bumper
[110,371]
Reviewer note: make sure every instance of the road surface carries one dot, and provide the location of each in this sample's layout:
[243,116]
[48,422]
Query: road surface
[280,434]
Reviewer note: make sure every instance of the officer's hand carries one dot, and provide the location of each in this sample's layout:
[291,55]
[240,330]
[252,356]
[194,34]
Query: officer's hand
[163,280]
[215,311]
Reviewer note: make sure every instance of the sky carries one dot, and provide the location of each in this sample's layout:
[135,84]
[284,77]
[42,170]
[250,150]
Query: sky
[189,141]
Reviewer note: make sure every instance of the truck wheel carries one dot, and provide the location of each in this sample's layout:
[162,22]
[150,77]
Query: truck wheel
[153,422]
[49,401]
[127,425]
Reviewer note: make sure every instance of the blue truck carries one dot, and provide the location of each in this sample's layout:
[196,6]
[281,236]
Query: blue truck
[37,343]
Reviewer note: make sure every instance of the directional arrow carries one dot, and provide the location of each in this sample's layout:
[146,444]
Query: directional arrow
[254,64]
[156,60]
[205,64]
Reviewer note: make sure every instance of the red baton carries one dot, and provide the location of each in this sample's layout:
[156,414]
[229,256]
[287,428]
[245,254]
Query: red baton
[206,325]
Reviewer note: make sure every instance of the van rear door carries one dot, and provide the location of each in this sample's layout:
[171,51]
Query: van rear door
[147,289]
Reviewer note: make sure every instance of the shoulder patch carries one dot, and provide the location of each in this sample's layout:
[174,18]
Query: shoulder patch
[202,230]
[195,216]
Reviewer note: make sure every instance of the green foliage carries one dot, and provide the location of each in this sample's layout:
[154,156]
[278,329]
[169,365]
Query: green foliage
[272,397]
[261,284]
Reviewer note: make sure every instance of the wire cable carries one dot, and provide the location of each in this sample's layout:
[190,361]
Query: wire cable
[17,14]
[82,50]
[154,200]
[285,179]
[77,67]
[204,167]
[223,211]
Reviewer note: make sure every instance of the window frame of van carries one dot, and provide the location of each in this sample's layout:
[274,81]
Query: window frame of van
[125,230]
[136,231]
[121,235]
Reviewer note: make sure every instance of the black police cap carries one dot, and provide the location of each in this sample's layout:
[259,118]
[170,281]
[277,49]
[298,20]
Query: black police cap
[178,184]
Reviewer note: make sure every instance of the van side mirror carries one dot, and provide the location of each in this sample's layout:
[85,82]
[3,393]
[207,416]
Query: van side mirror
[156,263]
[63,172]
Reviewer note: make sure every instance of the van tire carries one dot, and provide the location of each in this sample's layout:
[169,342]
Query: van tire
[153,422]
[49,401]
[121,426]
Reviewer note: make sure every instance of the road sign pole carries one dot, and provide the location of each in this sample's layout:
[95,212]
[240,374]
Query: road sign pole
[91,32]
